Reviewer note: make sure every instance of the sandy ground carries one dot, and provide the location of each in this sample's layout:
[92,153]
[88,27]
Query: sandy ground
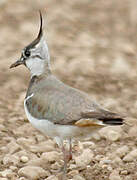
[93,47]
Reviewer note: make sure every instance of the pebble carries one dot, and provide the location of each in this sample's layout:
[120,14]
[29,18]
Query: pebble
[6,173]
[3,2]
[114,176]
[73,173]
[10,159]
[53,177]
[122,151]
[117,160]
[32,172]
[84,159]
[130,156]
[113,135]
[133,131]
[105,161]
[24,159]
[51,156]
[55,166]
[110,133]
[13,168]
[42,147]
[13,147]
[78,177]
[88,144]
[124,172]
[25,142]
[2,128]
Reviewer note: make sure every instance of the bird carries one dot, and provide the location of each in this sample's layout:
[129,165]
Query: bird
[53,107]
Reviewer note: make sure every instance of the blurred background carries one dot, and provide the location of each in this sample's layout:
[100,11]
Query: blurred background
[92,45]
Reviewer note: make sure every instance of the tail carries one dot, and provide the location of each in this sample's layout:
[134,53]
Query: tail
[113,119]
[107,117]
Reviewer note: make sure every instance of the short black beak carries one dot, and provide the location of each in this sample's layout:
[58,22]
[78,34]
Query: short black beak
[18,62]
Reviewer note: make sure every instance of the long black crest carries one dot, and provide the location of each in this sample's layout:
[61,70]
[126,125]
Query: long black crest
[36,41]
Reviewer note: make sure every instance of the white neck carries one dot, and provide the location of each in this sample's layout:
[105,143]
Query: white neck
[37,66]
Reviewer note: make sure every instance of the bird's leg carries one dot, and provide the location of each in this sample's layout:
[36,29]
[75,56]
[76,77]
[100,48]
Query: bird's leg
[67,155]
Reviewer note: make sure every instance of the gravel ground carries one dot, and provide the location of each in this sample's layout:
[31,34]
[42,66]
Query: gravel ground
[93,47]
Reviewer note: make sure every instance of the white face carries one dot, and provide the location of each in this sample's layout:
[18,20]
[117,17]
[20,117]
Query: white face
[36,66]
[38,58]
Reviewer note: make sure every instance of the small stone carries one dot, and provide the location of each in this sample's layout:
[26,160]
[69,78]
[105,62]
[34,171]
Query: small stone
[2,127]
[72,166]
[114,176]
[42,147]
[25,142]
[6,173]
[51,156]
[55,166]
[73,173]
[78,177]
[99,157]
[122,151]
[109,168]
[13,168]
[40,137]
[22,178]
[53,177]
[113,135]
[84,159]
[13,147]
[133,131]
[105,161]
[96,136]
[32,172]
[130,156]
[117,160]
[88,144]
[110,133]
[124,172]
[24,159]
[10,159]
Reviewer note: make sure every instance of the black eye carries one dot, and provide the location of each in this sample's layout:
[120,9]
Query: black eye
[27,53]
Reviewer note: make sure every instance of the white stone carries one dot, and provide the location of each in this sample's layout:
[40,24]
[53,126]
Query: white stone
[117,160]
[13,168]
[88,144]
[124,172]
[10,159]
[24,159]
[78,177]
[45,146]
[13,147]
[133,131]
[122,151]
[111,133]
[32,172]
[73,173]
[25,142]
[130,156]
[114,176]
[84,159]
[53,177]
[6,172]
[51,156]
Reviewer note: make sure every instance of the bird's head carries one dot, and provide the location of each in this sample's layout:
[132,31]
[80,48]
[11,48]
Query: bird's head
[35,56]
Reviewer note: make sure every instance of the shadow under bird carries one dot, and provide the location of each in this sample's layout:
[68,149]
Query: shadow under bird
[56,109]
